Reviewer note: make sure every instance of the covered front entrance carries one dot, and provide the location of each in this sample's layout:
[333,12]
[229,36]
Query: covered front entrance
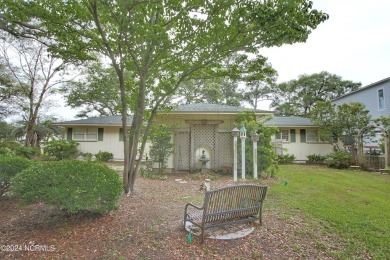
[203,137]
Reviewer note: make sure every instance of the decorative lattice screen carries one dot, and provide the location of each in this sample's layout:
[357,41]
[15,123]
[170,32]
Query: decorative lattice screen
[182,151]
[224,149]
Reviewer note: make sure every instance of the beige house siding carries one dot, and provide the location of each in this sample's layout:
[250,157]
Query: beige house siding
[302,148]
[110,143]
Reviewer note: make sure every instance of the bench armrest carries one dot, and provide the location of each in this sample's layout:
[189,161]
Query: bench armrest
[190,204]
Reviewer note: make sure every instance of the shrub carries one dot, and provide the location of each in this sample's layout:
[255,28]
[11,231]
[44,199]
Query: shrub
[87,157]
[11,145]
[104,156]
[5,151]
[161,147]
[69,185]
[316,158]
[9,167]
[62,149]
[286,158]
[27,152]
[339,159]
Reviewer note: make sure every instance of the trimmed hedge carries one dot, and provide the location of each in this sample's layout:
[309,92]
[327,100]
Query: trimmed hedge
[286,158]
[62,149]
[339,159]
[9,167]
[69,185]
[104,156]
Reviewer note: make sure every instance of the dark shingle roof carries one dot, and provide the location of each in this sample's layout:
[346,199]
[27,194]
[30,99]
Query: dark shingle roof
[191,108]
[288,121]
[213,108]
[103,120]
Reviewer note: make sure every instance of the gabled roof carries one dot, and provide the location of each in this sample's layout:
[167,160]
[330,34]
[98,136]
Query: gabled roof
[214,108]
[287,121]
[102,120]
[365,88]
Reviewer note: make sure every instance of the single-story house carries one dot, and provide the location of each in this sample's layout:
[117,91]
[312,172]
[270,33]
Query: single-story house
[298,136]
[198,129]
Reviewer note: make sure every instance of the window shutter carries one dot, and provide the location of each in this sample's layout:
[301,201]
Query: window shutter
[121,134]
[303,135]
[292,136]
[100,134]
[69,134]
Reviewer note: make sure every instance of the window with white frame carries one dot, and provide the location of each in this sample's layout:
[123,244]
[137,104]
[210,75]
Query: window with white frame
[85,134]
[285,134]
[381,99]
[311,135]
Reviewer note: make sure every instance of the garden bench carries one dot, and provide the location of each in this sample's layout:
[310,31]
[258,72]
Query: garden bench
[227,206]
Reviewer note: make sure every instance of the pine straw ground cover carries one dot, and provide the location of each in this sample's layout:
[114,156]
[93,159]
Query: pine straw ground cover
[148,226]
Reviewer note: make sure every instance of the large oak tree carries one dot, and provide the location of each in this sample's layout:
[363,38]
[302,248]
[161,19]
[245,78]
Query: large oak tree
[297,97]
[162,43]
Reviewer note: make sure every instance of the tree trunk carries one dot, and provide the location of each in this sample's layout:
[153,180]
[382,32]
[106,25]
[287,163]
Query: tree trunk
[135,134]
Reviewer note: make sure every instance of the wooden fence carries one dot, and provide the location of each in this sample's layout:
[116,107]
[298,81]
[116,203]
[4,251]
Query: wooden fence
[374,161]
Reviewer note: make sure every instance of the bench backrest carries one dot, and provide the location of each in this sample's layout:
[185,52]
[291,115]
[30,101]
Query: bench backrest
[233,202]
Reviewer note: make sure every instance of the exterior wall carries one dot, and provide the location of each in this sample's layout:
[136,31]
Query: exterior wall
[302,149]
[369,97]
[110,143]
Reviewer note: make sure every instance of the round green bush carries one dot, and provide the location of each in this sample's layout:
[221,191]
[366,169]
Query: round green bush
[9,167]
[62,149]
[69,185]
[27,152]
[104,156]
[339,159]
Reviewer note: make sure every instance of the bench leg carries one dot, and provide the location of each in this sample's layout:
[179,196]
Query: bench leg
[202,237]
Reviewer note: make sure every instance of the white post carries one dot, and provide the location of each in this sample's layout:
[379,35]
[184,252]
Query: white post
[235,159]
[243,137]
[255,160]
[207,184]
[386,142]
[255,138]
[235,132]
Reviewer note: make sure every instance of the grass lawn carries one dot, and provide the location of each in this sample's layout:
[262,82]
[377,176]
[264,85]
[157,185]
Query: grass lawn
[353,204]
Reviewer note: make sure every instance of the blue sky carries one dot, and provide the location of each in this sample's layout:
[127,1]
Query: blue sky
[353,43]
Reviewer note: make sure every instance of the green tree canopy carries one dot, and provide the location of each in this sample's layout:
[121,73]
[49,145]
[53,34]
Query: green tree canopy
[162,43]
[299,96]
[341,122]
[96,91]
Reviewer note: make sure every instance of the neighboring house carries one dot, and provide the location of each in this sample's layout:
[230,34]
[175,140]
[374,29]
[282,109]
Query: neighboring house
[375,97]
[298,136]
[196,128]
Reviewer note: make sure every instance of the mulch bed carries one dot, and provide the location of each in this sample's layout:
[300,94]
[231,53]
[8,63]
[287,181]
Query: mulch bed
[148,225]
